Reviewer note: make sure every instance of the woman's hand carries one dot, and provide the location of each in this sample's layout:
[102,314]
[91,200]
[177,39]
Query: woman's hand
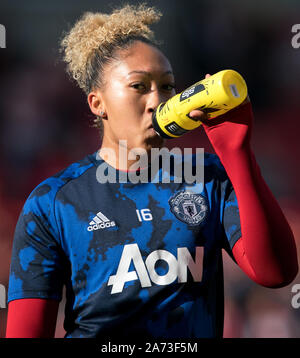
[230,131]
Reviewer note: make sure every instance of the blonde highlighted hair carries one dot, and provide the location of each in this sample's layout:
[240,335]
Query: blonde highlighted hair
[95,37]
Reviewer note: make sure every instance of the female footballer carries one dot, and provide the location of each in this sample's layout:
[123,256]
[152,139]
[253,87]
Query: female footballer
[141,259]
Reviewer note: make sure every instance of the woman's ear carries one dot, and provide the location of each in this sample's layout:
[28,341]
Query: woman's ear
[96,103]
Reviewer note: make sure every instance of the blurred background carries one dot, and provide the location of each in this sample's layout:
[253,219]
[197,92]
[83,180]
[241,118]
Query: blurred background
[45,123]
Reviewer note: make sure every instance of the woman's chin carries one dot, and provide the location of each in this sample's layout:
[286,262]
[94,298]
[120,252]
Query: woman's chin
[153,139]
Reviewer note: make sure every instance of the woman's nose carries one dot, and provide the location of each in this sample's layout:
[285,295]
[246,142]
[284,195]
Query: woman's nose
[154,99]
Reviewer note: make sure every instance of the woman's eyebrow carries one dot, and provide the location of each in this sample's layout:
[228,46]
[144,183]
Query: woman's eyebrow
[149,74]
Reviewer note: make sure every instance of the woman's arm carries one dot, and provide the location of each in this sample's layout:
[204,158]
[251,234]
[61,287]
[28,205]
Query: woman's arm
[31,318]
[266,251]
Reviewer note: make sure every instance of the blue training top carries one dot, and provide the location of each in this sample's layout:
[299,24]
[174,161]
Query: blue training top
[137,260]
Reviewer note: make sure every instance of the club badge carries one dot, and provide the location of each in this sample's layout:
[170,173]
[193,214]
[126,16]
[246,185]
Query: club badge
[189,207]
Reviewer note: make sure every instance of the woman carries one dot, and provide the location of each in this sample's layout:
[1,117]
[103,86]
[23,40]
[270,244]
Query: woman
[141,260]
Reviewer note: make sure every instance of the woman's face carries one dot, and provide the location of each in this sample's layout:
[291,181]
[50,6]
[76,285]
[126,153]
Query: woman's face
[134,87]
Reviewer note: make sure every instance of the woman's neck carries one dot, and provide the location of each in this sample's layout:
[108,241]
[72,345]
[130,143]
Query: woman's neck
[122,157]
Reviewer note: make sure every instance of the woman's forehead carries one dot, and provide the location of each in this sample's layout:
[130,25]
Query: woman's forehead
[142,59]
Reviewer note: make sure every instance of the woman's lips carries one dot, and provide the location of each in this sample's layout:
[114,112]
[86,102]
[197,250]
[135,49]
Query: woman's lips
[152,131]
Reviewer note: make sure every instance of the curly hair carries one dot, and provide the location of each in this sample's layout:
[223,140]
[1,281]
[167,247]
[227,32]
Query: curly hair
[96,37]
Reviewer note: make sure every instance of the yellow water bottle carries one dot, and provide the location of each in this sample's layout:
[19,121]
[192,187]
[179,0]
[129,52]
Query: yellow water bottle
[214,95]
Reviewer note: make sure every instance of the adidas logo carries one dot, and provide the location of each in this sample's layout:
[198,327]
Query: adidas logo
[100,221]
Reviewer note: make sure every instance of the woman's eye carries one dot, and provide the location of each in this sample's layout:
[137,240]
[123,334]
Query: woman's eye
[143,87]
[168,87]
[139,86]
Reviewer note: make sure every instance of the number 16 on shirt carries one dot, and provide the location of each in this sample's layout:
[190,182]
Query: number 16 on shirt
[144,215]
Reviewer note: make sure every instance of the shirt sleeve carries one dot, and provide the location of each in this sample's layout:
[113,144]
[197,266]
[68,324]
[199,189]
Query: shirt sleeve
[37,262]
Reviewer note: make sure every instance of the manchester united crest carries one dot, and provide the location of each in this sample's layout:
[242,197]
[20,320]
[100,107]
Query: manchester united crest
[189,207]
